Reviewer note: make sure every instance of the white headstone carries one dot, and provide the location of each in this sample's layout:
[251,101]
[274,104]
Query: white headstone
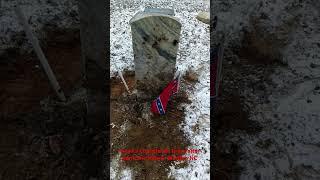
[156,37]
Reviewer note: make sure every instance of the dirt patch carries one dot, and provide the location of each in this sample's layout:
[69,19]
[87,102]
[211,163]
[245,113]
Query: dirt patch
[42,138]
[229,116]
[242,81]
[23,82]
[131,131]
[191,76]
[261,47]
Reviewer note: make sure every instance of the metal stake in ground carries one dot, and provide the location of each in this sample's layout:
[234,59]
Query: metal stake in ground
[35,43]
[124,82]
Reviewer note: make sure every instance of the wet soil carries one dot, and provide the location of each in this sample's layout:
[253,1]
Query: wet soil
[131,131]
[242,80]
[42,138]
[24,83]
[229,116]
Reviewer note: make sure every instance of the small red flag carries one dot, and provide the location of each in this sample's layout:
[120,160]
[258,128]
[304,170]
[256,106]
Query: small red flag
[159,105]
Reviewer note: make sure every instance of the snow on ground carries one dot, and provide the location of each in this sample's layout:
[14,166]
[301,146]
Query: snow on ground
[193,54]
[291,119]
[39,13]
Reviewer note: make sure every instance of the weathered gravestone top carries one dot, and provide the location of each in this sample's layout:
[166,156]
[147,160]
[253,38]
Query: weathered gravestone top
[162,11]
[155,36]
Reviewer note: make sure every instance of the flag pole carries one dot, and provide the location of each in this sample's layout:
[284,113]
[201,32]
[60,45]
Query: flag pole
[122,79]
[124,82]
[35,43]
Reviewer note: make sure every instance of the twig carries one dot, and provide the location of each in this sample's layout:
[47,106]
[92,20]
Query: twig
[35,43]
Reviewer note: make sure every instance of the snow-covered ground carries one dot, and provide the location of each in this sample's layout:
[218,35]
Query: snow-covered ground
[193,54]
[40,13]
[291,119]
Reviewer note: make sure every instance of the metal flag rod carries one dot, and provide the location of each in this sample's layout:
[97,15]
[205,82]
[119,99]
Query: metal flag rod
[35,43]
[122,79]
[124,82]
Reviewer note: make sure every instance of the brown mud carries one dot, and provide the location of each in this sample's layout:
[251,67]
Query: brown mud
[42,139]
[23,82]
[131,131]
[234,104]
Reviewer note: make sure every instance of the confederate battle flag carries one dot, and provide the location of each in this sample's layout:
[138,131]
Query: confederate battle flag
[159,105]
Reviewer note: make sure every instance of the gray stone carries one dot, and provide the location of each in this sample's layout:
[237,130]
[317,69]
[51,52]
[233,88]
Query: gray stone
[155,36]
[204,17]
[169,12]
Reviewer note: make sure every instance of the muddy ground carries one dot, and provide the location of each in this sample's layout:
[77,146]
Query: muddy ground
[131,131]
[42,138]
[231,113]
[271,74]
[267,114]
[193,55]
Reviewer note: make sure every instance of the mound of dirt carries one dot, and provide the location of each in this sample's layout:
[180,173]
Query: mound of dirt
[131,131]
[41,137]
[23,82]
[242,81]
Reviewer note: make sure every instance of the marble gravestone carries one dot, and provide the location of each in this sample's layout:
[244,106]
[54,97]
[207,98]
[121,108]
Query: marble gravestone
[155,36]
